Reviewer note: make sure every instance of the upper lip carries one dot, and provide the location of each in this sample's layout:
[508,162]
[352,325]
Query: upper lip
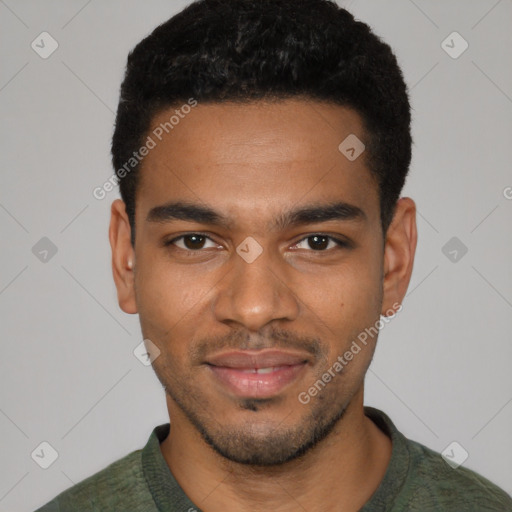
[256,359]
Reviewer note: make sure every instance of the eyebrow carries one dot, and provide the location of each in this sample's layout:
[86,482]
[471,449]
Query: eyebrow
[308,214]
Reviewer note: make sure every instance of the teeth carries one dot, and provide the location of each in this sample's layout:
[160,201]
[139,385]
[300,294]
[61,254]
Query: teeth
[265,370]
[260,370]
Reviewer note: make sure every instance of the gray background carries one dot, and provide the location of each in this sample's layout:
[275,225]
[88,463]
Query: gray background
[68,375]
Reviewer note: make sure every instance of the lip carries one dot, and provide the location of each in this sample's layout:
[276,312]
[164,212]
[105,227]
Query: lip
[238,371]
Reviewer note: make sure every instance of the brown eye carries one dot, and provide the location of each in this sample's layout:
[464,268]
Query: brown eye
[320,243]
[191,242]
[194,241]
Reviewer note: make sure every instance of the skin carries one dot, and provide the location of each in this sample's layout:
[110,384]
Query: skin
[251,163]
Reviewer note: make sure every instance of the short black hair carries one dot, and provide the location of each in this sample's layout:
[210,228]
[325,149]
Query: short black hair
[218,51]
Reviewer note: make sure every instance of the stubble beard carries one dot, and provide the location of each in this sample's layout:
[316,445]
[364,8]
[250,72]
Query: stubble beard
[254,443]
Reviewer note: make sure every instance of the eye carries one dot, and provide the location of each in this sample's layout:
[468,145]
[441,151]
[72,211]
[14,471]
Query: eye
[320,243]
[192,242]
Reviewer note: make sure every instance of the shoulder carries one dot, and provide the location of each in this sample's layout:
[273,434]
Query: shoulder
[419,479]
[119,484]
[432,481]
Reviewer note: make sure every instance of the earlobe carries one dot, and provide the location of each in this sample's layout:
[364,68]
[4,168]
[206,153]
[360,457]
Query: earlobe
[399,251]
[123,257]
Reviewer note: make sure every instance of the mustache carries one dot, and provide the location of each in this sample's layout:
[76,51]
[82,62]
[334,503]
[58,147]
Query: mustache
[243,340]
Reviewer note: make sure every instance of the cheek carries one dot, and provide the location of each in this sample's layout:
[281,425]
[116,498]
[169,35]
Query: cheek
[348,295]
[348,306]
[165,297]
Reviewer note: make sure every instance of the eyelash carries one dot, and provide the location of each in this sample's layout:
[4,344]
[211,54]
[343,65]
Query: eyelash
[340,243]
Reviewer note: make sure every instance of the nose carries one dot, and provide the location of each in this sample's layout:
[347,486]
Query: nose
[256,293]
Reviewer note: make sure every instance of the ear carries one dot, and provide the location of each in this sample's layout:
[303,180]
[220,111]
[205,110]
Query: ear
[399,250]
[123,256]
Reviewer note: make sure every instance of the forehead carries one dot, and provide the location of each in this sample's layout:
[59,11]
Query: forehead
[256,156]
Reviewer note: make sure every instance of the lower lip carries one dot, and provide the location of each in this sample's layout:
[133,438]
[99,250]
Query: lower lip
[257,385]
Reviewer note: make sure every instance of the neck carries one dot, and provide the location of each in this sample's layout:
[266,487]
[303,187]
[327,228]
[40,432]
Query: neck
[339,474]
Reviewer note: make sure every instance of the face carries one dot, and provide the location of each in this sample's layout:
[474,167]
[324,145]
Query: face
[258,262]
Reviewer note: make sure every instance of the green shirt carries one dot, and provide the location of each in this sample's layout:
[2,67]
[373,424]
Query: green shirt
[417,479]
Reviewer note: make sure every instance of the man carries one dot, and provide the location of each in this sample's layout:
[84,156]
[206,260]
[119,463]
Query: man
[261,147]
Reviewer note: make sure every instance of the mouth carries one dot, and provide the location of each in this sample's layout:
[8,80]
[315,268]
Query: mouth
[259,374]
